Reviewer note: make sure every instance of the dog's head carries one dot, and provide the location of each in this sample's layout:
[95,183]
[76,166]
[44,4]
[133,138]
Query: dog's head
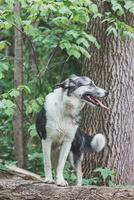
[84,88]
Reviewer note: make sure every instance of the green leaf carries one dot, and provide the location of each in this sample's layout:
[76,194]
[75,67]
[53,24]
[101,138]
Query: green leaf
[14,93]
[2,45]
[35,106]
[84,52]
[72,33]
[91,38]
[90,181]
[105,172]
[65,44]
[113,30]
[32,130]
[83,41]
[93,7]
[34,156]
[8,106]
[3,66]
[60,21]
[40,100]
[29,109]
[65,10]
[1,76]
[24,88]
[74,52]
[129,5]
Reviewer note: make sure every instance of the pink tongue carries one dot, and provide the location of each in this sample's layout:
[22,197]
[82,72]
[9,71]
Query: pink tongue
[102,105]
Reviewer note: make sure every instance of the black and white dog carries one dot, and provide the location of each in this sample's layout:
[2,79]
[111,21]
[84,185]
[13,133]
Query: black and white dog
[58,126]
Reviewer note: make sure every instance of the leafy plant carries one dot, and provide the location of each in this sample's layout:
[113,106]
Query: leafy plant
[105,176]
[90,181]
[101,176]
[69,174]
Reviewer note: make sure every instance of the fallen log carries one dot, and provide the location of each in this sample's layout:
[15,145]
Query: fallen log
[17,188]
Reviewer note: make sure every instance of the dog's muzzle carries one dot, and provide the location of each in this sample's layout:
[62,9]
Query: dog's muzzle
[94,100]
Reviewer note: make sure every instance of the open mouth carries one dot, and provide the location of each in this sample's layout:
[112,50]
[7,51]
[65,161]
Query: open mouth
[91,99]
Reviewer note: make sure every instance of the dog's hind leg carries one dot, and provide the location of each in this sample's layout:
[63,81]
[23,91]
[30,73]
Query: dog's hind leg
[65,148]
[79,174]
[76,163]
[46,148]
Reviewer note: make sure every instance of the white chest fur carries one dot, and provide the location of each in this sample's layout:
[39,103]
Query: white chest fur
[61,114]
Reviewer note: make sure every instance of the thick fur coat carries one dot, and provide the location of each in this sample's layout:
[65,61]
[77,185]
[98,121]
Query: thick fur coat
[58,126]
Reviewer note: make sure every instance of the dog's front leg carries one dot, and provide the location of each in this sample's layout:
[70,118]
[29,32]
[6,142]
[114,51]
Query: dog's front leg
[61,163]
[46,148]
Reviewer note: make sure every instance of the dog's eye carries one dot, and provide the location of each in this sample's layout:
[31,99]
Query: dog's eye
[92,84]
[79,84]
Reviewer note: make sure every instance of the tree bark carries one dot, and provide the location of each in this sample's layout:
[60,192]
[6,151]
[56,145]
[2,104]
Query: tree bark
[19,189]
[112,68]
[18,79]
[32,54]
[32,59]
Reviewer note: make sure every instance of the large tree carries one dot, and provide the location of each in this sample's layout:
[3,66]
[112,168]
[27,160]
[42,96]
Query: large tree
[112,67]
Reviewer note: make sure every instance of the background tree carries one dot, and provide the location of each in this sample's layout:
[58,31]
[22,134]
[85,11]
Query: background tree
[112,67]
[18,80]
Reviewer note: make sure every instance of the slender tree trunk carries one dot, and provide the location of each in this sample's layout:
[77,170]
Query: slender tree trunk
[112,67]
[32,59]
[18,79]
[32,54]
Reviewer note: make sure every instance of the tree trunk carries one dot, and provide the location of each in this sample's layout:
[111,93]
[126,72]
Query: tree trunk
[19,189]
[18,79]
[32,59]
[19,184]
[32,54]
[112,68]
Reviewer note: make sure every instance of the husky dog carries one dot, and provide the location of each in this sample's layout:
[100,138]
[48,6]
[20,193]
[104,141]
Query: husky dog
[58,126]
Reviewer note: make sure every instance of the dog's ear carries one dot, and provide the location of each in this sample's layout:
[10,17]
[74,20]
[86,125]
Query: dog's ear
[73,76]
[62,85]
[71,86]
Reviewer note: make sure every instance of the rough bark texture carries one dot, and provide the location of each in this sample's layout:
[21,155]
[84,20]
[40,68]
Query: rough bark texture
[32,54]
[19,189]
[32,60]
[18,79]
[112,68]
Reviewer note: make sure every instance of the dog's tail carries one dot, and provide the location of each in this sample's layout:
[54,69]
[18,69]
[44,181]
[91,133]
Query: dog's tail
[41,122]
[96,143]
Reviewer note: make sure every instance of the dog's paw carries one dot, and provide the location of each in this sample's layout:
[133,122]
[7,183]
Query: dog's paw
[48,180]
[62,182]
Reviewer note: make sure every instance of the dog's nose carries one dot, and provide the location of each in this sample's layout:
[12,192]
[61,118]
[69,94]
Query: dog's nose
[106,93]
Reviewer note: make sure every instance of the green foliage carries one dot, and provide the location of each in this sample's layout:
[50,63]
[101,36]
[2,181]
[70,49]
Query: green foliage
[2,167]
[116,18]
[51,17]
[90,181]
[69,174]
[105,176]
[118,28]
[101,176]
[120,6]
[34,158]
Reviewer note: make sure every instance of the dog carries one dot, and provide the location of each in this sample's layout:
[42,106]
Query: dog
[58,126]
